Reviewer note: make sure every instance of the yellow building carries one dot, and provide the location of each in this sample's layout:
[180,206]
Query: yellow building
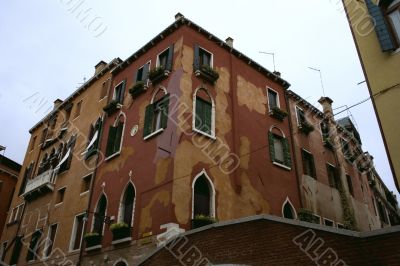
[375,25]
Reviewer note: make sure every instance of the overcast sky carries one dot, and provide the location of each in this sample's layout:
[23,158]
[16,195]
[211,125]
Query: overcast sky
[46,52]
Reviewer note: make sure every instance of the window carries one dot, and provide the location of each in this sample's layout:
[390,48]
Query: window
[104,88]
[67,155]
[60,195]
[394,18]
[68,110]
[34,245]
[78,109]
[273,99]
[33,143]
[44,135]
[127,205]
[3,250]
[334,178]
[204,114]
[164,59]
[301,118]
[288,210]
[202,197]
[114,141]
[350,185]
[205,58]
[86,180]
[328,222]
[16,214]
[142,73]
[16,250]
[93,139]
[51,236]
[156,117]
[308,163]
[27,175]
[119,92]
[324,130]
[100,215]
[279,150]
[345,148]
[77,232]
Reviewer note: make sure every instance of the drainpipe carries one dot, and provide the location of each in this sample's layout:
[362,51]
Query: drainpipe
[293,149]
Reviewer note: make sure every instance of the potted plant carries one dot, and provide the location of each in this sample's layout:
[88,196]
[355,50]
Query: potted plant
[306,127]
[138,88]
[208,73]
[120,230]
[202,220]
[92,239]
[328,143]
[306,215]
[157,74]
[111,107]
[278,113]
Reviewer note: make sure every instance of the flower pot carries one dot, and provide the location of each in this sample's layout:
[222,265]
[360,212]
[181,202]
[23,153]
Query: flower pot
[207,73]
[277,113]
[93,240]
[120,233]
[137,89]
[157,74]
[197,223]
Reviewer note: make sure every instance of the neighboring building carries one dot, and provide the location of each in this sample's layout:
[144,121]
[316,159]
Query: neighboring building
[202,137]
[333,169]
[376,31]
[52,194]
[9,172]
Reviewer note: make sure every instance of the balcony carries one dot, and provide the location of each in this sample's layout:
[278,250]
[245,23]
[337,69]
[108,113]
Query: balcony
[41,184]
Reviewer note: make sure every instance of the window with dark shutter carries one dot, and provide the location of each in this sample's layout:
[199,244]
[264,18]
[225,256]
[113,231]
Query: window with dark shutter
[202,197]
[100,215]
[142,73]
[203,118]
[156,116]
[78,230]
[333,176]
[128,202]
[300,116]
[272,99]
[350,185]
[279,150]
[119,92]
[308,163]
[114,139]
[16,250]
[34,246]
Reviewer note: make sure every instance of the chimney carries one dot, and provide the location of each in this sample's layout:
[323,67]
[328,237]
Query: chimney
[326,103]
[99,66]
[229,42]
[57,103]
[277,73]
[178,16]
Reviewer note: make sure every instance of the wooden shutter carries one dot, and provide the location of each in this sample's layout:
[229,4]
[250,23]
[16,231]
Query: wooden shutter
[145,72]
[170,58]
[118,137]
[69,160]
[196,63]
[286,152]
[381,28]
[271,146]
[207,109]
[110,141]
[199,119]
[148,120]
[121,92]
[314,171]
[164,111]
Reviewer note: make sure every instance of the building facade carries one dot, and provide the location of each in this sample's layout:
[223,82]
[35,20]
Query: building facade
[52,193]
[376,31]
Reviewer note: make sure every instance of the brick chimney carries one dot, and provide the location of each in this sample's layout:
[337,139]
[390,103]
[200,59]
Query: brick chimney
[229,42]
[100,65]
[326,103]
[57,103]
[178,16]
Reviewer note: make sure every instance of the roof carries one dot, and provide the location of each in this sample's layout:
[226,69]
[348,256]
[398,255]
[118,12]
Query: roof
[81,89]
[181,21]
[348,124]
[10,163]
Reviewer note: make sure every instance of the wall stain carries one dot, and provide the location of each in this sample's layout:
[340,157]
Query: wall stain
[146,220]
[251,96]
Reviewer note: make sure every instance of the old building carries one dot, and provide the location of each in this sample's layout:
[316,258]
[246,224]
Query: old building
[191,142]
[335,172]
[52,193]
[9,172]
[376,31]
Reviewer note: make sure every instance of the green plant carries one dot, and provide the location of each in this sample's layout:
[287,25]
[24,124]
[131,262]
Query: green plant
[202,220]
[156,72]
[306,215]
[111,107]
[205,218]
[328,143]
[91,234]
[306,127]
[92,239]
[349,222]
[278,113]
[137,88]
[210,71]
[116,226]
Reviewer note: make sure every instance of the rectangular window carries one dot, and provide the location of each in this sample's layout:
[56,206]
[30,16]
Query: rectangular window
[350,185]
[86,183]
[308,163]
[273,99]
[44,135]
[328,222]
[114,139]
[279,150]
[203,119]
[16,250]
[324,130]
[51,236]
[162,59]
[119,92]
[142,73]
[104,88]
[60,195]
[68,110]
[334,178]
[205,58]
[33,143]
[301,118]
[34,245]
[78,109]
[156,117]
[77,232]
[3,250]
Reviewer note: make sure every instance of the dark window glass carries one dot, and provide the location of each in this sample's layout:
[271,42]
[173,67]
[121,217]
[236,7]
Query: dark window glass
[202,197]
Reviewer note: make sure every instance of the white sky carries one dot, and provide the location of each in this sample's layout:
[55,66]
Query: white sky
[45,50]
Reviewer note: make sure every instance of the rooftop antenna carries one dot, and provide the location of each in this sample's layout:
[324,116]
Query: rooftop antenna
[320,76]
[273,57]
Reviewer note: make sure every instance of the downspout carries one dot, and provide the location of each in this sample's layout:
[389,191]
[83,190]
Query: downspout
[91,190]
[293,149]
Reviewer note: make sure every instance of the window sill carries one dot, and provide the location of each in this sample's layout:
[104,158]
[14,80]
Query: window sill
[84,193]
[120,241]
[282,166]
[205,134]
[93,248]
[112,156]
[153,133]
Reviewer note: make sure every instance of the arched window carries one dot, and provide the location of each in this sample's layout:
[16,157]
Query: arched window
[121,263]
[279,148]
[203,196]
[203,112]
[127,205]
[115,135]
[93,139]
[99,215]
[156,116]
[288,210]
